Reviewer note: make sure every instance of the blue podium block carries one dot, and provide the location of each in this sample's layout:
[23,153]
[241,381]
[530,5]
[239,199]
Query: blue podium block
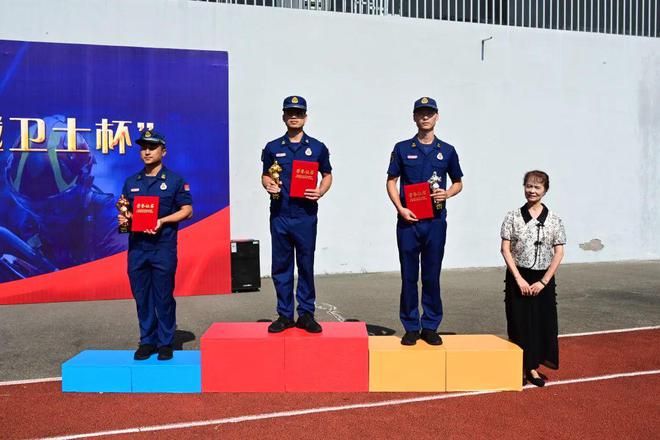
[115,371]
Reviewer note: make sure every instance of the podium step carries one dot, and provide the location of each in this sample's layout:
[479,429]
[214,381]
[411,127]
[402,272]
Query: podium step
[336,360]
[396,367]
[115,371]
[482,362]
[244,357]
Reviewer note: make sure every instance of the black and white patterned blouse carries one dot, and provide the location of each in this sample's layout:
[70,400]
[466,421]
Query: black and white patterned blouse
[532,240]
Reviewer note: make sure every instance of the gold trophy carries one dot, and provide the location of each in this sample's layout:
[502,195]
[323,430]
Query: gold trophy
[274,173]
[434,183]
[122,205]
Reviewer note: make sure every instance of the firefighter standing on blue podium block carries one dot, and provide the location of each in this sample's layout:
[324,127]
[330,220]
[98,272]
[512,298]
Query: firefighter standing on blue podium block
[293,220]
[152,255]
[424,158]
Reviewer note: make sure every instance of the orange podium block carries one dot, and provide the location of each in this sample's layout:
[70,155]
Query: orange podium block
[336,360]
[482,362]
[242,357]
[395,367]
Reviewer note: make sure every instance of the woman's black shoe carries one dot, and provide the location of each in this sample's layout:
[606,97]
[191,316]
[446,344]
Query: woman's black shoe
[537,381]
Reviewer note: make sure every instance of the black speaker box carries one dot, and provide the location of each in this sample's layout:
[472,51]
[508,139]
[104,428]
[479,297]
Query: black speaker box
[245,272]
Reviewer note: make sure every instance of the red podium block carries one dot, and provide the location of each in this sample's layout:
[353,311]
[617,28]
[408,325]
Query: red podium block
[242,357]
[336,360]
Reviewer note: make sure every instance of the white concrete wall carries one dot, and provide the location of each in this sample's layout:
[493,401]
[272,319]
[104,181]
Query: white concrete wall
[583,107]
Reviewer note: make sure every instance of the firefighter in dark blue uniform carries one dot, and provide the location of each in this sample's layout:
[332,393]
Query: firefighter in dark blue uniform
[152,256]
[414,161]
[293,220]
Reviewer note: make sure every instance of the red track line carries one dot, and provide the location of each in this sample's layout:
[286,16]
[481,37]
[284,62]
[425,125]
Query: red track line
[43,410]
[608,410]
[277,415]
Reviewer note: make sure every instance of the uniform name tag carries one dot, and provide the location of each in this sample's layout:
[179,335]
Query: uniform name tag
[412,157]
[134,190]
[280,155]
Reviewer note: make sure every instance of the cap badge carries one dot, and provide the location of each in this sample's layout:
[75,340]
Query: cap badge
[294,100]
[425,100]
[163,186]
[308,152]
[147,134]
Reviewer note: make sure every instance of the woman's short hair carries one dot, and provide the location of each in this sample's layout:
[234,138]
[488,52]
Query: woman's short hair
[537,176]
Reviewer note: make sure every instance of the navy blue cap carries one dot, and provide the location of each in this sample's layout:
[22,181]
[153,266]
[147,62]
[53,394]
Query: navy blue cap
[294,102]
[425,102]
[150,137]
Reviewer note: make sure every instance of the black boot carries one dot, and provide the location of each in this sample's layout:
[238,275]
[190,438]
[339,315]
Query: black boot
[306,322]
[431,337]
[280,324]
[410,338]
[144,352]
[165,353]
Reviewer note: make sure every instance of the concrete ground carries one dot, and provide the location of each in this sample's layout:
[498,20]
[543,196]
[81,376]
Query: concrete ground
[35,339]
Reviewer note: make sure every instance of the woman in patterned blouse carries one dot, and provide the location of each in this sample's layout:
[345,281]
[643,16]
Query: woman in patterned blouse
[533,239]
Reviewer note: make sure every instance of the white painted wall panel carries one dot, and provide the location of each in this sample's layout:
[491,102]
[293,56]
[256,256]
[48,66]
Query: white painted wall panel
[584,107]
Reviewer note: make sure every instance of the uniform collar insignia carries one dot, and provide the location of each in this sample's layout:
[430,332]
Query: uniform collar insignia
[413,145]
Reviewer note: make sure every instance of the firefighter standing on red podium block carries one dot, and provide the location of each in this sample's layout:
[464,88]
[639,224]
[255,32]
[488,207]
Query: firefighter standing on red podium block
[293,220]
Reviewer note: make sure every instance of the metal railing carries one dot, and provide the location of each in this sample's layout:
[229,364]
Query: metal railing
[620,17]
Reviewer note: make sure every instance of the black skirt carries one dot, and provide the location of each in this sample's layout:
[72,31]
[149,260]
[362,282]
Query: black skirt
[531,321]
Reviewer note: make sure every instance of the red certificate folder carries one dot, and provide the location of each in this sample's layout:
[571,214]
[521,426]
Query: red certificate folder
[304,175]
[145,213]
[418,200]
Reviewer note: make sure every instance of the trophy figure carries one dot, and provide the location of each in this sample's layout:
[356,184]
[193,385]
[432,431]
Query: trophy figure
[122,205]
[274,173]
[434,183]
